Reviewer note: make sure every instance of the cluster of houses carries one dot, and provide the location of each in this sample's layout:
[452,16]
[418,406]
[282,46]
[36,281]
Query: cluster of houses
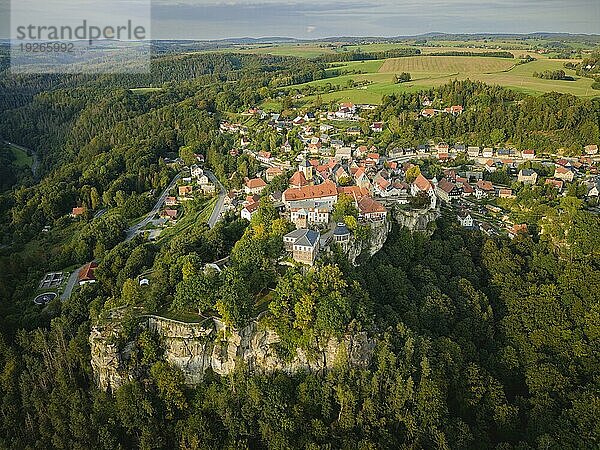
[333,163]
[197,182]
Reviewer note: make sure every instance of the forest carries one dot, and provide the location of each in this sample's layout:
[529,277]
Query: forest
[481,342]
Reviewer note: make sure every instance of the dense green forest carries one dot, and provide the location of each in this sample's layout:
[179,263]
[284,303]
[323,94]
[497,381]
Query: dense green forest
[482,343]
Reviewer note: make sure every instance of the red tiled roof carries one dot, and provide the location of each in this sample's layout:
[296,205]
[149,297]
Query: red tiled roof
[255,183]
[298,180]
[326,189]
[485,185]
[422,183]
[87,272]
[446,186]
[353,191]
[369,206]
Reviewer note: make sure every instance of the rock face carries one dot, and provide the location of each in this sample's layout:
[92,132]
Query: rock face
[379,234]
[195,348]
[417,220]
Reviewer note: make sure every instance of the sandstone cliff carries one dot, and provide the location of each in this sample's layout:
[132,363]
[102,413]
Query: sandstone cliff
[198,347]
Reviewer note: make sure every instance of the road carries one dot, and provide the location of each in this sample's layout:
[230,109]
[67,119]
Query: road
[216,214]
[132,231]
[35,165]
[70,284]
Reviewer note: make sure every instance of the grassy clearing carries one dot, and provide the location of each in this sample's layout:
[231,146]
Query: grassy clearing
[145,90]
[22,159]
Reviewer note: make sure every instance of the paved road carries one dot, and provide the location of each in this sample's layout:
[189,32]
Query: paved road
[132,231]
[216,214]
[70,284]
[100,213]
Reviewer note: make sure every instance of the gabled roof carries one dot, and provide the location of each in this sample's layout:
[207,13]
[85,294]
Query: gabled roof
[422,183]
[298,180]
[87,272]
[326,189]
[255,183]
[446,186]
[367,205]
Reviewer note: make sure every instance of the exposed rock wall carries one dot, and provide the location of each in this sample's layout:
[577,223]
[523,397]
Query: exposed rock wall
[379,234]
[195,348]
[419,220]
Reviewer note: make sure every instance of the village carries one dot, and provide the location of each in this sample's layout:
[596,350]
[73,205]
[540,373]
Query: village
[335,158]
[336,161]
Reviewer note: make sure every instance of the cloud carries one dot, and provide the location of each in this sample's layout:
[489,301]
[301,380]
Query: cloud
[310,29]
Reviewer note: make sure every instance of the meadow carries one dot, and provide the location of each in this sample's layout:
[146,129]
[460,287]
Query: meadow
[22,159]
[374,79]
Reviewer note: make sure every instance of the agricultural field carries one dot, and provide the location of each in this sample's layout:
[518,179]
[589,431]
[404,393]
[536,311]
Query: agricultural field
[369,81]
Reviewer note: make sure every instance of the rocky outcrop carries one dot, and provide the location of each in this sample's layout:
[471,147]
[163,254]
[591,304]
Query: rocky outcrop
[198,347]
[366,249]
[417,220]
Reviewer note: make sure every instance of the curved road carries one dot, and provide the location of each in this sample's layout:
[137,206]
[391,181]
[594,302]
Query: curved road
[132,231]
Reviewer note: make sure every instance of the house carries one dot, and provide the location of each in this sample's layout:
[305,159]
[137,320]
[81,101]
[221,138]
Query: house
[86,274]
[185,190]
[505,193]
[171,201]
[421,184]
[303,244]
[528,154]
[361,179]
[298,180]
[558,184]
[287,147]
[428,112]
[78,211]
[591,149]
[564,174]
[341,235]
[325,192]
[305,213]
[377,127]
[483,188]
[249,210]
[465,219]
[527,176]
[264,157]
[517,229]
[369,209]
[488,152]
[196,171]
[255,186]
[490,166]
[169,214]
[273,172]
[447,191]
[455,110]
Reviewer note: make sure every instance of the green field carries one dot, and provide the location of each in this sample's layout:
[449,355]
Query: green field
[22,159]
[377,77]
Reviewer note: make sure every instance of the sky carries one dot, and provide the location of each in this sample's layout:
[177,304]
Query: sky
[313,19]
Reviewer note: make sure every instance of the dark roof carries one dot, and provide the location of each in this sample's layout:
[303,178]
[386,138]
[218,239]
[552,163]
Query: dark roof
[341,230]
[308,239]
